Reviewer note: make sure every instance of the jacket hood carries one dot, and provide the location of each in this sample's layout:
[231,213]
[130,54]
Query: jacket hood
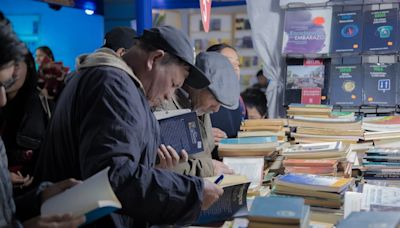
[105,57]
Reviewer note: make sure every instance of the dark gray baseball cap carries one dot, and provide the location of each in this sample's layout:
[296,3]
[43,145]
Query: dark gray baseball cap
[224,83]
[177,43]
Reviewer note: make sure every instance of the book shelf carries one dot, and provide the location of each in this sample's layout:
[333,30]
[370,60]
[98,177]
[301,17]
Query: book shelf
[365,53]
[233,29]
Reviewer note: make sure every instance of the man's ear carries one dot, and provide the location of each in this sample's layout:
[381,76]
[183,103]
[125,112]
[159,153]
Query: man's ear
[121,51]
[153,57]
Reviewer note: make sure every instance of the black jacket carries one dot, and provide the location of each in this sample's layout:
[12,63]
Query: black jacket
[102,119]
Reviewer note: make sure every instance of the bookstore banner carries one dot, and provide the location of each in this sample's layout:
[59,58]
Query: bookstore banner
[267,25]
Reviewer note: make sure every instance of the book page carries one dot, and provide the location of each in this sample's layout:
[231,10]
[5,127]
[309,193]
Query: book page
[91,194]
[379,195]
[352,202]
[252,168]
[160,115]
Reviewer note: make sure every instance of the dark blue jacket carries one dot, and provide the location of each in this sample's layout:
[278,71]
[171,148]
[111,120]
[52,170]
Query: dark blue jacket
[102,119]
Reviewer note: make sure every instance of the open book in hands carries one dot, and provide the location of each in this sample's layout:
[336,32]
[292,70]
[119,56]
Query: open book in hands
[93,198]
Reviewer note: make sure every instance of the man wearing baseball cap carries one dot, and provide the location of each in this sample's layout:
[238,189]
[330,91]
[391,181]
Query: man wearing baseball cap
[223,91]
[120,39]
[103,118]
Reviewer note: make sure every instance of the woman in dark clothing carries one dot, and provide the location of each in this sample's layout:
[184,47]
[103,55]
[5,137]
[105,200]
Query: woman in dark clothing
[23,122]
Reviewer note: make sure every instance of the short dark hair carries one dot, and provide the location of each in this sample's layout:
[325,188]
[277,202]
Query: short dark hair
[168,58]
[260,73]
[255,98]
[47,51]
[219,47]
[11,48]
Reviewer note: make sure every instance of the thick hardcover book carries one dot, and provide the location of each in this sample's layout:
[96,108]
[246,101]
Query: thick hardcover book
[346,85]
[93,198]
[307,31]
[277,209]
[371,219]
[380,84]
[233,203]
[180,129]
[380,31]
[347,32]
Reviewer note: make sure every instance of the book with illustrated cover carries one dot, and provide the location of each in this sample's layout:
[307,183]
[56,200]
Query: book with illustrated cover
[233,202]
[380,84]
[300,77]
[346,85]
[180,129]
[93,198]
[347,30]
[314,182]
[382,123]
[380,31]
[307,31]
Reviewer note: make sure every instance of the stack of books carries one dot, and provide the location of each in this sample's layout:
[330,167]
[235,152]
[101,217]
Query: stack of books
[318,191]
[277,211]
[321,124]
[318,158]
[264,127]
[382,164]
[383,131]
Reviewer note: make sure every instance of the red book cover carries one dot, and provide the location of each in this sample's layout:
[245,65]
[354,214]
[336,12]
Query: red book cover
[311,96]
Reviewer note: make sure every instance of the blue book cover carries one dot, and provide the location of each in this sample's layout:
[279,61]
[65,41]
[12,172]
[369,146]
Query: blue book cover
[277,209]
[371,219]
[233,203]
[346,85]
[379,84]
[250,140]
[314,182]
[347,32]
[182,132]
[380,31]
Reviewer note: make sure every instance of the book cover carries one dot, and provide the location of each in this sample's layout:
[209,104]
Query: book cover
[346,85]
[314,182]
[311,96]
[380,30]
[379,84]
[277,209]
[372,219]
[93,198]
[180,129]
[307,31]
[249,140]
[314,147]
[310,162]
[347,30]
[233,203]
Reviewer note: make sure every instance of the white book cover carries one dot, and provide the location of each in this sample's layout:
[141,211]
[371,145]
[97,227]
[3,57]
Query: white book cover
[93,198]
[251,167]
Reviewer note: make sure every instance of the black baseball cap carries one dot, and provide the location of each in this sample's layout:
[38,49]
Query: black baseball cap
[177,43]
[120,37]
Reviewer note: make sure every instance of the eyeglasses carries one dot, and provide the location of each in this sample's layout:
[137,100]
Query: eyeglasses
[8,83]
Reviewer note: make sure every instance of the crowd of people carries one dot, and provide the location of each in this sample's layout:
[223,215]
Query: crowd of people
[58,127]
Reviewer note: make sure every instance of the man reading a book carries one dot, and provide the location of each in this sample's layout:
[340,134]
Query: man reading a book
[223,90]
[103,118]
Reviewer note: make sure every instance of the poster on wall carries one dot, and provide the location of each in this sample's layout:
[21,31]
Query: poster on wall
[307,31]
[379,84]
[347,29]
[381,30]
[345,87]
